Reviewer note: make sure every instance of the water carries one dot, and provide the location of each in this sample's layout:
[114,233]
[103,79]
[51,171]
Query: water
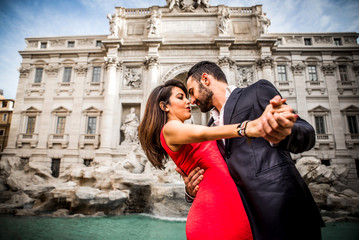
[138,227]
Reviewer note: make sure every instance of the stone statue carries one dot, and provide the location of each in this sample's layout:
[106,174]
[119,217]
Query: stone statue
[153,23]
[204,2]
[172,3]
[223,21]
[130,127]
[264,23]
[114,24]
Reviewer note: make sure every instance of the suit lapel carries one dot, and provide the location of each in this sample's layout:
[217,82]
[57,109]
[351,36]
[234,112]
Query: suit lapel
[230,105]
[228,113]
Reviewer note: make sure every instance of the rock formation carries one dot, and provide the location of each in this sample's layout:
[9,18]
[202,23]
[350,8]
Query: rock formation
[132,185]
[113,188]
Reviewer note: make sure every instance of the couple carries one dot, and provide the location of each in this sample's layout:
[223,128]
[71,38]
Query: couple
[250,188]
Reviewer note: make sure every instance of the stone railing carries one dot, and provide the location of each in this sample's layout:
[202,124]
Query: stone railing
[316,86]
[241,10]
[89,139]
[28,138]
[35,87]
[62,139]
[347,85]
[137,11]
[351,139]
[324,139]
[65,87]
[95,87]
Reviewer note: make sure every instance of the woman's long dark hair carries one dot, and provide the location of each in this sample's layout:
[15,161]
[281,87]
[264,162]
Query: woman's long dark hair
[154,119]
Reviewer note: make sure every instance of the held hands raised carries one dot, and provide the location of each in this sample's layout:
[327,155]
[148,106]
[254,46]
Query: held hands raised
[276,122]
[274,125]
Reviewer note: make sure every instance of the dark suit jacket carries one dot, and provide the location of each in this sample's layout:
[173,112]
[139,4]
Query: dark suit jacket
[277,200]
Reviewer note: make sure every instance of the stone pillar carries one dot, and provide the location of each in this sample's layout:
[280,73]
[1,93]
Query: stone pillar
[43,121]
[226,63]
[111,89]
[151,64]
[266,65]
[337,121]
[224,60]
[204,119]
[298,69]
[75,129]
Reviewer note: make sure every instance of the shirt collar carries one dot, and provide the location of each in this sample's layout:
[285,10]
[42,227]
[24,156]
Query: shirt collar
[214,112]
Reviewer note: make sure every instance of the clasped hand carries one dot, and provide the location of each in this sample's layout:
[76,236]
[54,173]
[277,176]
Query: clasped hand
[274,125]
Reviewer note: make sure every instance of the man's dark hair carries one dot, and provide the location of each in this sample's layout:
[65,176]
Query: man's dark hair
[207,67]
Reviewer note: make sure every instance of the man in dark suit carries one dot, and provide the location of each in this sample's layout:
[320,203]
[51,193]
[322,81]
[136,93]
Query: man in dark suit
[278,203]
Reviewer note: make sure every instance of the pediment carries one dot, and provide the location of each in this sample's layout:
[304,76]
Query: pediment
[351,109]
[319,109]
[92,110]
[61,109]
[32,109]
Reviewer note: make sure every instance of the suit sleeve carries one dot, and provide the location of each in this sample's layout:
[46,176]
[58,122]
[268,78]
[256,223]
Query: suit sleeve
[302,137]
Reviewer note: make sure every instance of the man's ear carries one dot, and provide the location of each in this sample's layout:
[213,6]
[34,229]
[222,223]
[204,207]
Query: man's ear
[205,79]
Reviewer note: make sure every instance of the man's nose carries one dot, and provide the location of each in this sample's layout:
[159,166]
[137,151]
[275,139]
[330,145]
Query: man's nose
[193,100]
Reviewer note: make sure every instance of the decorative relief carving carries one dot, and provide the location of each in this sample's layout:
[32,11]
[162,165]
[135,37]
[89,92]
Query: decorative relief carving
[33,44]
[225,61]
[81,70]
[52,71]
[298,69]
[245,76]
[323,39]
[328,70]
[187,5]
[57,43]
[151,61]
[24,72]
[265,62]
[293,39]
[85,41]
[133,77]
[350,40]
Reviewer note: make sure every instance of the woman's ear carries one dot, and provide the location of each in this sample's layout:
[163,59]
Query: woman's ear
[163,106]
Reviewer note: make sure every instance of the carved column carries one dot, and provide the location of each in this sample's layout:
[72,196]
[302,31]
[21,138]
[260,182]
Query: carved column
[329,70]
[298,70]
[266,65]
[152,65]
[109,104]
[226,63]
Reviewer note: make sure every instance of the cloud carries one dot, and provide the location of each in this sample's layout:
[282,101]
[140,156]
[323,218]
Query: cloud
[21,19]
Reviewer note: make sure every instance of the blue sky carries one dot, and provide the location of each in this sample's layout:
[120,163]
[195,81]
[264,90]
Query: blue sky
[20,19]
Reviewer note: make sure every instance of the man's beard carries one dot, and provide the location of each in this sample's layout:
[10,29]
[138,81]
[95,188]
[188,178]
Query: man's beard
[206,102]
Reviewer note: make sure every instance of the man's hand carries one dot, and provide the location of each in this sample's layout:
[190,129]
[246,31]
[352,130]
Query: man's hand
[192,180]
[276,122]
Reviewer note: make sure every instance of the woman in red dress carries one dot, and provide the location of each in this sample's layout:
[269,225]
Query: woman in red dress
[217,211]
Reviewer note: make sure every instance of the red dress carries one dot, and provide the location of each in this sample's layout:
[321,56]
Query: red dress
[217,211]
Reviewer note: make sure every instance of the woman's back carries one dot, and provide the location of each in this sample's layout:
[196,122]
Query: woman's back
[217,212]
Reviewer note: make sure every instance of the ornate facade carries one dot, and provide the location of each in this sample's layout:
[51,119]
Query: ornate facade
[75,93]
